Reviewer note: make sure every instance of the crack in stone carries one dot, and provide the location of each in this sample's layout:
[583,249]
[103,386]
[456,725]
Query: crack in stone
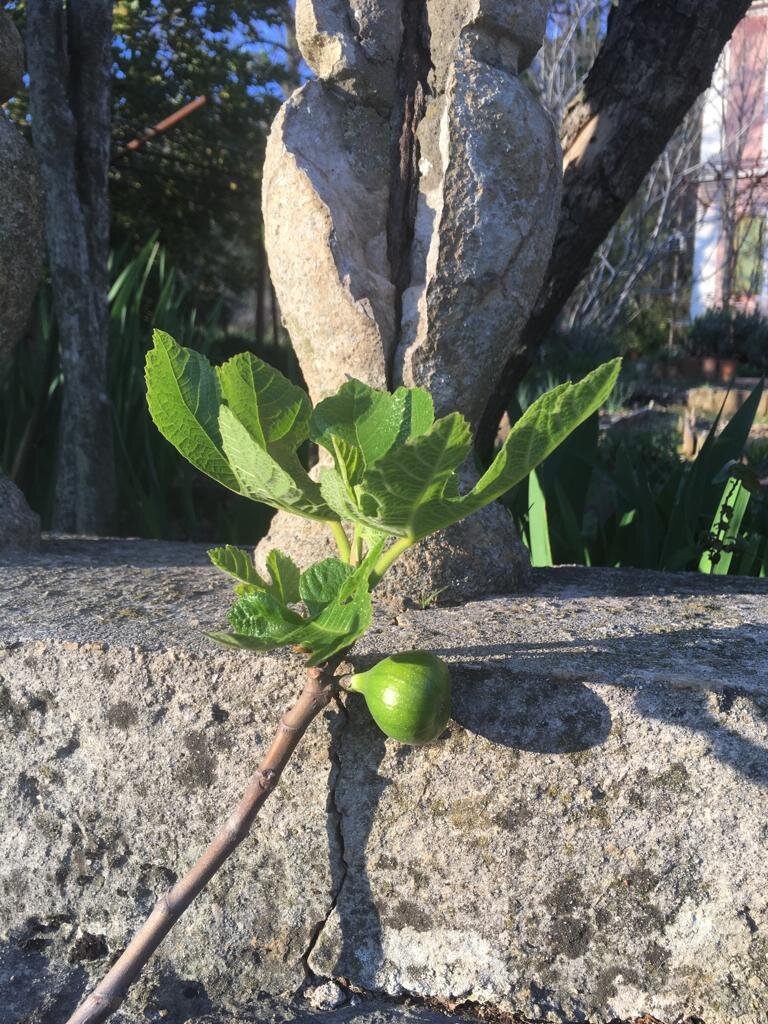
[412,89]
[335,849]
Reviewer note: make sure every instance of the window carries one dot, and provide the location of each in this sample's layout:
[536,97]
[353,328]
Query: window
[748,263]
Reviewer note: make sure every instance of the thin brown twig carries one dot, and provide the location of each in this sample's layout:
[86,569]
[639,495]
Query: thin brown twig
[112,990]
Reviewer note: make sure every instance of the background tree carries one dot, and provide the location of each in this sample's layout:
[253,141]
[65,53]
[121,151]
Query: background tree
[656,59]
[198,186]
[69,60]
[636,278]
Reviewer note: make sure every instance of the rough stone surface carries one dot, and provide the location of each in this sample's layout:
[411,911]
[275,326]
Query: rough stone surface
[587,842]
[186,1003]
[410,202]
[325,200]
[19,525]
[442,571]
[489,194]
[509,32]
[21,234]
[353,46]
[479,556]
[11,57]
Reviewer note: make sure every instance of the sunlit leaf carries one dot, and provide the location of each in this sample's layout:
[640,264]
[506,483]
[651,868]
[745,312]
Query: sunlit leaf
[237,563]
[275,477]
[285,577]
[270,408]
[184,398]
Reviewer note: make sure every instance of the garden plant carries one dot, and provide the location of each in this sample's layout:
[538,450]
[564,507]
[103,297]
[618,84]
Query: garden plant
[392,482]
[635,502]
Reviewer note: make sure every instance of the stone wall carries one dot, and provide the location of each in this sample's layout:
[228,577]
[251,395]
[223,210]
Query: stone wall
[587,842]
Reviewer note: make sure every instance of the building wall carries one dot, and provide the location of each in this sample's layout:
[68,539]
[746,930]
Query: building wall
[731,239]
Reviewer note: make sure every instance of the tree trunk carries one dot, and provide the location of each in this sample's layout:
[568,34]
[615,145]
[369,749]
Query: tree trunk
[657,57]
[69,56]
[21,254]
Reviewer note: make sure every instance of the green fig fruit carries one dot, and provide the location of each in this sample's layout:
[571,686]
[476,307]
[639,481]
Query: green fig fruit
[408,695]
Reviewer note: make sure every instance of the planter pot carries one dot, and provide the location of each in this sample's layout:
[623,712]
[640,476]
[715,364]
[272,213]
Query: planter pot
[709,367]
[727,370]
[687,367]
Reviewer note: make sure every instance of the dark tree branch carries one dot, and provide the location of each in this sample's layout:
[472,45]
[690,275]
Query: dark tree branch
[657,57]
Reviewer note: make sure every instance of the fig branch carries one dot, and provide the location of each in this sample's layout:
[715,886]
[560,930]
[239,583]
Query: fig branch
[318,690]
[395,478]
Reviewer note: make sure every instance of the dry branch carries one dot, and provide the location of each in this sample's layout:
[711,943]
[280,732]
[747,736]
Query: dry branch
[112,990]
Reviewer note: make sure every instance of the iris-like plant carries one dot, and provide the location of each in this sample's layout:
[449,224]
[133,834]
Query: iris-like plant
[394,480]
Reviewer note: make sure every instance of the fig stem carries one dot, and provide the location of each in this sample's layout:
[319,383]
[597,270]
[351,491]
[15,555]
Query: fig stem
[319,688]
[342,541]
[356,552]
[349,682]
[390,555]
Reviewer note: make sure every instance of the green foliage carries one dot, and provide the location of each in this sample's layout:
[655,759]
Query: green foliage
[722,541]
[359,425]
[239,423]
[646,331]
[159,494]
[544,425]
[413,490]
[284,573]
[198,184]
[394,478]
[631,501]
[184,401]
[338,603]
[322,581]
[538,522]
[732,334]
[574,351]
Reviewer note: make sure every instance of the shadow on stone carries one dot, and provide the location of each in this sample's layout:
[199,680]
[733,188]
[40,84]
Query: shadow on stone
[692,710]
[359,939]
[529,714]
[531,711]
[109,551]
[38,987]
[377,1012]
[176,1000]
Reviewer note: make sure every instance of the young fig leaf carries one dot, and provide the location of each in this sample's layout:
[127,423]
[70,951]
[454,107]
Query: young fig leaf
[270,408]
[285,577]
[184,399]
[415,475]
[322,582]
[238,563]
[273,476]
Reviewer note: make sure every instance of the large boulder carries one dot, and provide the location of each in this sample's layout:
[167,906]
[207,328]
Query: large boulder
[411,195]
[587,842]
[19,525]
[11,57]
[432,288]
